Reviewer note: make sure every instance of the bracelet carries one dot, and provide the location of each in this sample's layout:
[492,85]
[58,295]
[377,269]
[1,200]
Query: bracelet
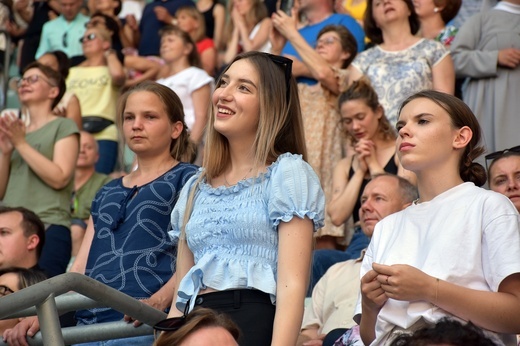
[436,291]
[174,22]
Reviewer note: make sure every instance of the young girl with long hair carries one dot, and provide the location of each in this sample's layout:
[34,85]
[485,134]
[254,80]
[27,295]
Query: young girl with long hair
[247,28]
[454,251]
[245,222]
[181,72]
[191,21]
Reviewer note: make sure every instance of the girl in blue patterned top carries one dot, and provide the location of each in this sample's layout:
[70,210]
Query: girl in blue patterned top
[245,222]
[126,244]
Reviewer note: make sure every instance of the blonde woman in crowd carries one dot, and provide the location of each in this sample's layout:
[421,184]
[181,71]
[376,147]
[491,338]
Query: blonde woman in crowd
[96,82]
[245,222]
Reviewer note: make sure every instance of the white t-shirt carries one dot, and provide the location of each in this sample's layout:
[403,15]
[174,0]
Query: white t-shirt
[467,236]
[184,84]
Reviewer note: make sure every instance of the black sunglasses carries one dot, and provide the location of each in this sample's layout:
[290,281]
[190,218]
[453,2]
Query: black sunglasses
[89,37]
[173,323]
[286,64]
[500,153]
[64,39]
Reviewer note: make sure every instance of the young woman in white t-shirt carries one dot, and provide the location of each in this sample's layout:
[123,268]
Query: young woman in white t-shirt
[455,251]
[181,72]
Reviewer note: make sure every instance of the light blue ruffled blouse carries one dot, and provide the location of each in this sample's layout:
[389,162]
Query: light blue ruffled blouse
[232,231]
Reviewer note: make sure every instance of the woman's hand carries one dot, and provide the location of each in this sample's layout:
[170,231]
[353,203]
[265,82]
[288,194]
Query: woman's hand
[236,16]
[366,150]
[6,146]
[277,41]
[13,129]
[404,282]
[372,294]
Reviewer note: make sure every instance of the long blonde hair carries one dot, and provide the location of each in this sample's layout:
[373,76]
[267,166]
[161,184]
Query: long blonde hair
[280,125]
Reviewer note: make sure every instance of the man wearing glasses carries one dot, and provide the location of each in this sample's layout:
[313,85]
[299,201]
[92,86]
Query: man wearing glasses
[64,32]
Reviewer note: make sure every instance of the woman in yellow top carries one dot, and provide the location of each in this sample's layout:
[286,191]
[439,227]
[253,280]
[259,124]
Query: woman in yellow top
[354,8]
[96,83]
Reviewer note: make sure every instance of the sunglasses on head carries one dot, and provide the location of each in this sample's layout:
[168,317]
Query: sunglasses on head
[89,37]
[500,153]
[286,65]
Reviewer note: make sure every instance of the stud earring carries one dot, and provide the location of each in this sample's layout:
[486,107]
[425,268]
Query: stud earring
[436,10]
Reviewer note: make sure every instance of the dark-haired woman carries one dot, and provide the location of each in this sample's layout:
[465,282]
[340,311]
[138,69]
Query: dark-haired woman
[12,280]
[454,251]
[401,63]
[328,61]
[434,16]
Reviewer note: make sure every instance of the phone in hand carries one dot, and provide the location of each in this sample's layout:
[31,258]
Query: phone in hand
[286,6]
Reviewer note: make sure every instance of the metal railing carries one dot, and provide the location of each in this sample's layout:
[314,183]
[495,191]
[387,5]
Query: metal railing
[50,298]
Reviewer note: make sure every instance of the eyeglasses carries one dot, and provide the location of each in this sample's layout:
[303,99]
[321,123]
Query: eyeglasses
[89,37]
[500,153]
[286,64]
[326,41]
[4,290]
[33,79]
[64,39]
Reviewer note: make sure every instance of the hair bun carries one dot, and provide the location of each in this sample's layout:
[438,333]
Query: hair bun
[475,173]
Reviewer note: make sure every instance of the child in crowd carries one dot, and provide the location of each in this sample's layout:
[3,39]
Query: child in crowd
[68,106]
[182,73]
[191,21]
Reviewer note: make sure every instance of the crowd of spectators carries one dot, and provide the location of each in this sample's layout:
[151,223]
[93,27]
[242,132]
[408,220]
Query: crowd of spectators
[94,73]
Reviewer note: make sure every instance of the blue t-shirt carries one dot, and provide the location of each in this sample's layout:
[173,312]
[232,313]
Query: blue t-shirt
[149,26]
[310,34]
[233,231]
[131,250]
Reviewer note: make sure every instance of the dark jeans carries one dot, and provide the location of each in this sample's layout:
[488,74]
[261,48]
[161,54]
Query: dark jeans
[251,310]
[107,156]
[55,255]
[323,259]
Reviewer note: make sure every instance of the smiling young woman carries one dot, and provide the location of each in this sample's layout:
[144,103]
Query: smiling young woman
[245,222]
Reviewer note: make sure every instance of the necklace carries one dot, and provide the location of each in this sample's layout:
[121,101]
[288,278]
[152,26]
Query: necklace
[244,178]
